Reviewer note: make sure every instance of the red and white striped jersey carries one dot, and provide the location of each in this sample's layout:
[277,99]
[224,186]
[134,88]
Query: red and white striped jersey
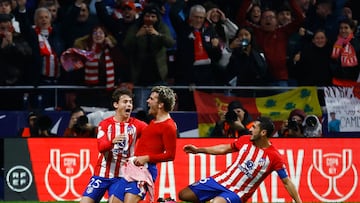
[113,156]
[250,168]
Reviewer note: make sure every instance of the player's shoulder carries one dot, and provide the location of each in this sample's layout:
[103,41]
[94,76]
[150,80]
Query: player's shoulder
[137,122]
[171,123]
[107,120]
[273,151]
[243,139]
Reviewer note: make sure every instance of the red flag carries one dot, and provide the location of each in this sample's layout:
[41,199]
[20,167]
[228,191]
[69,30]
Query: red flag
[209,106]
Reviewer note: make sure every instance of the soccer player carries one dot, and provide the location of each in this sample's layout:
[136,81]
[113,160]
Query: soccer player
[257,158]
[116,143]
[157,142]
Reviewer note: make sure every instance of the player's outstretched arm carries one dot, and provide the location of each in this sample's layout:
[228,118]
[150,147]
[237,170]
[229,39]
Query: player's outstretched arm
[290,187]
[215,150]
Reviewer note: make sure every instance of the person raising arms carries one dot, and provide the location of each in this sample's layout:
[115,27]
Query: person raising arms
[257,159]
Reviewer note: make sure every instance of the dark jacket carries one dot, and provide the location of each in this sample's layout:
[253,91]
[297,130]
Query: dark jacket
[185,52]
[249,69]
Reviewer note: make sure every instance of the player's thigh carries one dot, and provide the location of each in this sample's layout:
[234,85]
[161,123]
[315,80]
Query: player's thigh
[113,199]
[117,190]
[132,198]
[86,200]
[96,189]
[187,194]
[218,200]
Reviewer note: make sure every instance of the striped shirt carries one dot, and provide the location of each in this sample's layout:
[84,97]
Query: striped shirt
[250,168]
[113,156]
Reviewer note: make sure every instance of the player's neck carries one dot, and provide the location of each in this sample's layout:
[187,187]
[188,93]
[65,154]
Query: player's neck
[119,118]
[161,116]
[262,143]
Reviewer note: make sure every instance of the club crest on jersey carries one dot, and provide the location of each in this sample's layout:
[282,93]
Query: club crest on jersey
[262,162]
[247,167]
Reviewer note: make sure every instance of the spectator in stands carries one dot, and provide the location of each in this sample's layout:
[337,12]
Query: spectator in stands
[273,39]
[79,125]
[6,8]
[101,70]
[346,53]
[15,53]
[53,7]
[44,124]
[225,30]
[284,15]
[197,54]
[198,49]
[77,22]
[124,16]
[233,123]
[313,60]
[293,126]
[325,14]
[31,129]
[253,15]
[146,43]
[46,43]
[247,63]
[165,6]
[347,12]
[304,5]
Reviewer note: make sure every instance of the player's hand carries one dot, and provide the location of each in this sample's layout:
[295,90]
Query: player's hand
[190,149]
[119,139]
[141,160]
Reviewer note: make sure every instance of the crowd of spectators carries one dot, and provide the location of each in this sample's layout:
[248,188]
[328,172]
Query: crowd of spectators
[179,42]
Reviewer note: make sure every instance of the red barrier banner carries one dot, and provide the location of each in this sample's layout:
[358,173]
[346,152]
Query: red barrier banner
[323,170]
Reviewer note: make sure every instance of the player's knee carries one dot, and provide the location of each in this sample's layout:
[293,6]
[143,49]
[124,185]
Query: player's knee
[187,195]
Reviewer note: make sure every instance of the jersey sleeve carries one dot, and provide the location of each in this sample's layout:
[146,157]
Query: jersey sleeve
[279,165]
[169,137]
[140,126]
[104,142]
[238,143]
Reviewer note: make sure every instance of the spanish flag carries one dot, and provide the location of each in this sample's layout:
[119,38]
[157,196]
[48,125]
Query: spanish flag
[277,107]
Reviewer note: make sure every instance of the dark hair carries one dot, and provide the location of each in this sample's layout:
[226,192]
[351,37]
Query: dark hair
[9,1]
[284,7]
[253,38]
[150,8]
[44,122]
[119,92]
[266,9]
[77,109]
[234,105]
[266,124]
[90,41]
[297,112]
[349,22]
[248,14]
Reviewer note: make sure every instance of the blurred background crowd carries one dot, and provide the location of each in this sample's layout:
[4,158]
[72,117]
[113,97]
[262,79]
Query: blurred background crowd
[113,43]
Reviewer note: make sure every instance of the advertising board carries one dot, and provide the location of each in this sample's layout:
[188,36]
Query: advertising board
[322,169]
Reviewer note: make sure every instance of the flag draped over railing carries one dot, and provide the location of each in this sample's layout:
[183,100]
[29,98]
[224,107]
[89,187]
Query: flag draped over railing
[277,107]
